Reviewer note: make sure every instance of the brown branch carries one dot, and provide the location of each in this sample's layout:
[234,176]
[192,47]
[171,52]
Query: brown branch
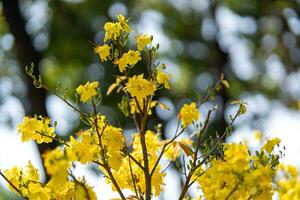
[54,138]
[147,175]
[195,165]
[133,179]
[86,190]
[138,105]
[136,161]
[136,123]
[149,64]
[199,175]
[105,163]
[163,150]
[232,191]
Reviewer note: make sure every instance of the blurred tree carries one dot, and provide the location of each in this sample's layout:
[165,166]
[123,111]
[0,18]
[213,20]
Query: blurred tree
[26,54]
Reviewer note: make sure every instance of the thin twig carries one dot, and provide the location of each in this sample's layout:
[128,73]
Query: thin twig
[105,163]
[64,100]
[167,167]
[206,156]
[133,179]
[86,190]
[12,185]
[199,175]
[149,64]
[135,161]
[232,191]
[136,123]
[164,148]
[145,155]
[54,138]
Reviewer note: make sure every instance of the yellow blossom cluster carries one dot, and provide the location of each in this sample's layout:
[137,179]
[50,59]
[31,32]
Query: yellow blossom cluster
[270,144]
[188,114]
[113,30]
[38,129]
[26,178]
[237,156]
[27,182]
[142,41]
[113,142]
[140,88]
[134,163]
[129,58]
[84,149]
[87,91]
[123,174]
[103,51]
[288,182]
[163,78]
[235,177]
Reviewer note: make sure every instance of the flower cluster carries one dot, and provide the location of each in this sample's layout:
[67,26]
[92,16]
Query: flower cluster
[36,128]
[188,114]
[134,163]
[87,91]
[238,176]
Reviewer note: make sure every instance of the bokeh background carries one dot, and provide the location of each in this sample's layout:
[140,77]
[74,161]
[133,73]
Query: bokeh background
[254,43]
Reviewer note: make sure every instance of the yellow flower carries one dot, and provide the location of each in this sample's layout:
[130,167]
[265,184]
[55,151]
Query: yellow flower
[24,179]
[288,182]
[84,149]
[124,23]
[133,57]
[36,129]
[103,51]
[123,173]
[259,182]
[139,87]
[112,31]
[83,191]
[152,142]
[163,78]
[237,156]
[113,140]
[57,164]
[129,58]
[87,91]
[13,175]
[134,108]
[218,181]
[270,144]
[122,63]
[78,189]
[188,114]
[36,191]
[142,41]
[32,172]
